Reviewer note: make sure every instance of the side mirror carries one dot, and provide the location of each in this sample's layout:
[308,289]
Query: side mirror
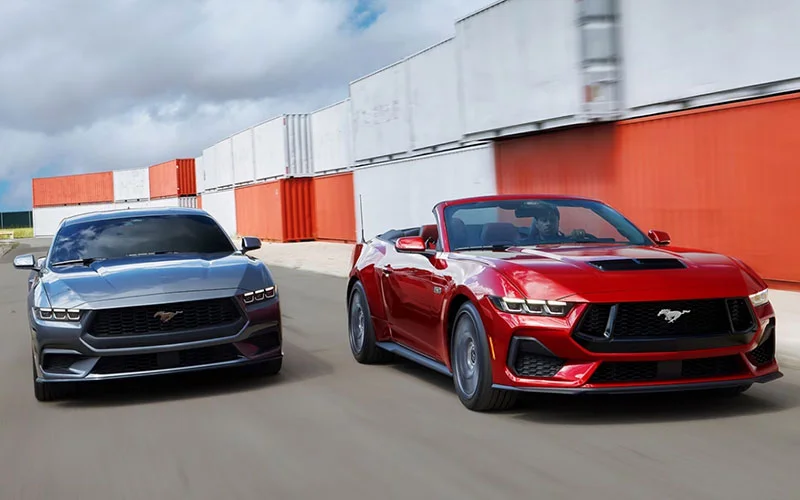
[660,237]
[27,261]
[250,243]
[410,244]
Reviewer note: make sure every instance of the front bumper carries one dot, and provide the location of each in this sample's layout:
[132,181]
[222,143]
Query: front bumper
[544,355]
[66,353]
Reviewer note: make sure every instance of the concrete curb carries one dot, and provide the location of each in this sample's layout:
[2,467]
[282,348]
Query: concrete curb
[6,247]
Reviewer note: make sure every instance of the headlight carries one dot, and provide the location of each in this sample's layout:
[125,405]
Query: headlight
[260,295]
[532,307]
[760,298]
[49,314]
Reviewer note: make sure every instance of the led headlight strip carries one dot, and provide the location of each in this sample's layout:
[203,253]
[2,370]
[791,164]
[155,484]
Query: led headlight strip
[531,306]
[259,295]
[49,314]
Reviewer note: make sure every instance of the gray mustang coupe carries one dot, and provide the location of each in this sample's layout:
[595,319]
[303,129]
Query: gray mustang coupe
[138,292]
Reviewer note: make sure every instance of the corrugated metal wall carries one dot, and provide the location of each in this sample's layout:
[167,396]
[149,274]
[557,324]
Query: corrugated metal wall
[47,219]
[680,53]
[133,184]
[222,206]
[402,193]
[706,176]
[73,189]
[280,210]
[173,178]
[334,210]
[259,211]
[331,137]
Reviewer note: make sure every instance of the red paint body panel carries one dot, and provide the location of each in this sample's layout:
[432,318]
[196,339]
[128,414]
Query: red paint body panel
[412,297]
[173,178]
[73,189]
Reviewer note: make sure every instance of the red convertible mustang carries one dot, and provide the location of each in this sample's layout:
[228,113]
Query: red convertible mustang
[557,294]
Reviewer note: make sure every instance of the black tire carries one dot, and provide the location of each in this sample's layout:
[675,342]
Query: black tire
[360,330]
[45,391]
[469,352]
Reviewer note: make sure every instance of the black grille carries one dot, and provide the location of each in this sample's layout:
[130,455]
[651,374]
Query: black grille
[645,371]
[529,358]
[651,319]
[764,354]
[536,365]
[637,264]
[59,363]
[142,320]
[175,359]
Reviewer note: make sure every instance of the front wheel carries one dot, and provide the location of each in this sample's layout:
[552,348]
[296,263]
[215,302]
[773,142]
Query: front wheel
[361,333]
[472,364]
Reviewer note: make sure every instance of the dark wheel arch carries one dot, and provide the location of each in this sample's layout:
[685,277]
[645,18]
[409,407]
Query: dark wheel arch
[452,311]
[468,326]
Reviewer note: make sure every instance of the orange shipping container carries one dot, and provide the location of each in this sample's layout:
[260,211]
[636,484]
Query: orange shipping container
[173,178]
[73,189]
[334,208]
[279,210]
[721,178]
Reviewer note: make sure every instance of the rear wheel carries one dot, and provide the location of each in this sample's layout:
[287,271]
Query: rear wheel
[472,364]
[361,333]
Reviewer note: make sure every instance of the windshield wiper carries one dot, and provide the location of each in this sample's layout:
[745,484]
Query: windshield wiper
[494,248]
[160,252]
[84,262]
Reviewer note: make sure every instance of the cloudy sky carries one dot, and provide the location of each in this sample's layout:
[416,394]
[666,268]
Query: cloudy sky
[94,85]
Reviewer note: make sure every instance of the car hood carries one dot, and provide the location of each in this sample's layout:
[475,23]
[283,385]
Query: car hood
[120,279]
[572,272]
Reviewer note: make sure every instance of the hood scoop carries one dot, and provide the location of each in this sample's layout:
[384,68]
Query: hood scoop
[637,264]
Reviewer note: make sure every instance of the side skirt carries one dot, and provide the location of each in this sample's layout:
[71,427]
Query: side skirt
[414,356]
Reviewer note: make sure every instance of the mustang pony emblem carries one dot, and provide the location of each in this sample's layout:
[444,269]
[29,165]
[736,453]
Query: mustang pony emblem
[165,316]
[672,316]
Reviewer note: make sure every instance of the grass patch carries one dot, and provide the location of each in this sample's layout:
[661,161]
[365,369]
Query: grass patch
[19,233]
[23,232]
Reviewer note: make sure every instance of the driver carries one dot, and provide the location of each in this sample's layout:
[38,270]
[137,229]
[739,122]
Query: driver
[546,219]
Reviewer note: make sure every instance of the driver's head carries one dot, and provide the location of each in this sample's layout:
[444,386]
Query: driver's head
[545,219]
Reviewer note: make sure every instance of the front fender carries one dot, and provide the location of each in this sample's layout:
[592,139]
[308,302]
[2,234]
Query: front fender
[476,288]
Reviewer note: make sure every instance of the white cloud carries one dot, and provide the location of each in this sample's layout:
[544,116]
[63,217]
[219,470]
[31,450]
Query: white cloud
[103,85]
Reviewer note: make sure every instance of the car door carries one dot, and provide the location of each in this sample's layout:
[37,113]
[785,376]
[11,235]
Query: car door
[413,287]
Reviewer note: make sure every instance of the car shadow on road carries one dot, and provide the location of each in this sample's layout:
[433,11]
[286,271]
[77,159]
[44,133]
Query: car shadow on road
[298,365]
[663,407]
[629,408]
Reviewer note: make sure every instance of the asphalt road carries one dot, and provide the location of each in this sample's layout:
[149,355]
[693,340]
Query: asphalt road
[330,428]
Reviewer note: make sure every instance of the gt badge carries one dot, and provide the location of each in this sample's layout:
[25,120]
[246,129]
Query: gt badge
[165,316]
[671,316]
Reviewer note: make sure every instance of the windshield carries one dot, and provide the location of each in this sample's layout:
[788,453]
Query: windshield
[503,223]
[111,238]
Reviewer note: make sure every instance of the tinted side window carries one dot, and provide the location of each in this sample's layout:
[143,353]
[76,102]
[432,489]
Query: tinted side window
[136,235]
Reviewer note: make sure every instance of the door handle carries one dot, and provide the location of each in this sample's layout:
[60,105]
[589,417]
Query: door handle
[387,270]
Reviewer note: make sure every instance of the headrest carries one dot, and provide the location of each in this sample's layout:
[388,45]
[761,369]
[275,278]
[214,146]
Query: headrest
[499,232]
